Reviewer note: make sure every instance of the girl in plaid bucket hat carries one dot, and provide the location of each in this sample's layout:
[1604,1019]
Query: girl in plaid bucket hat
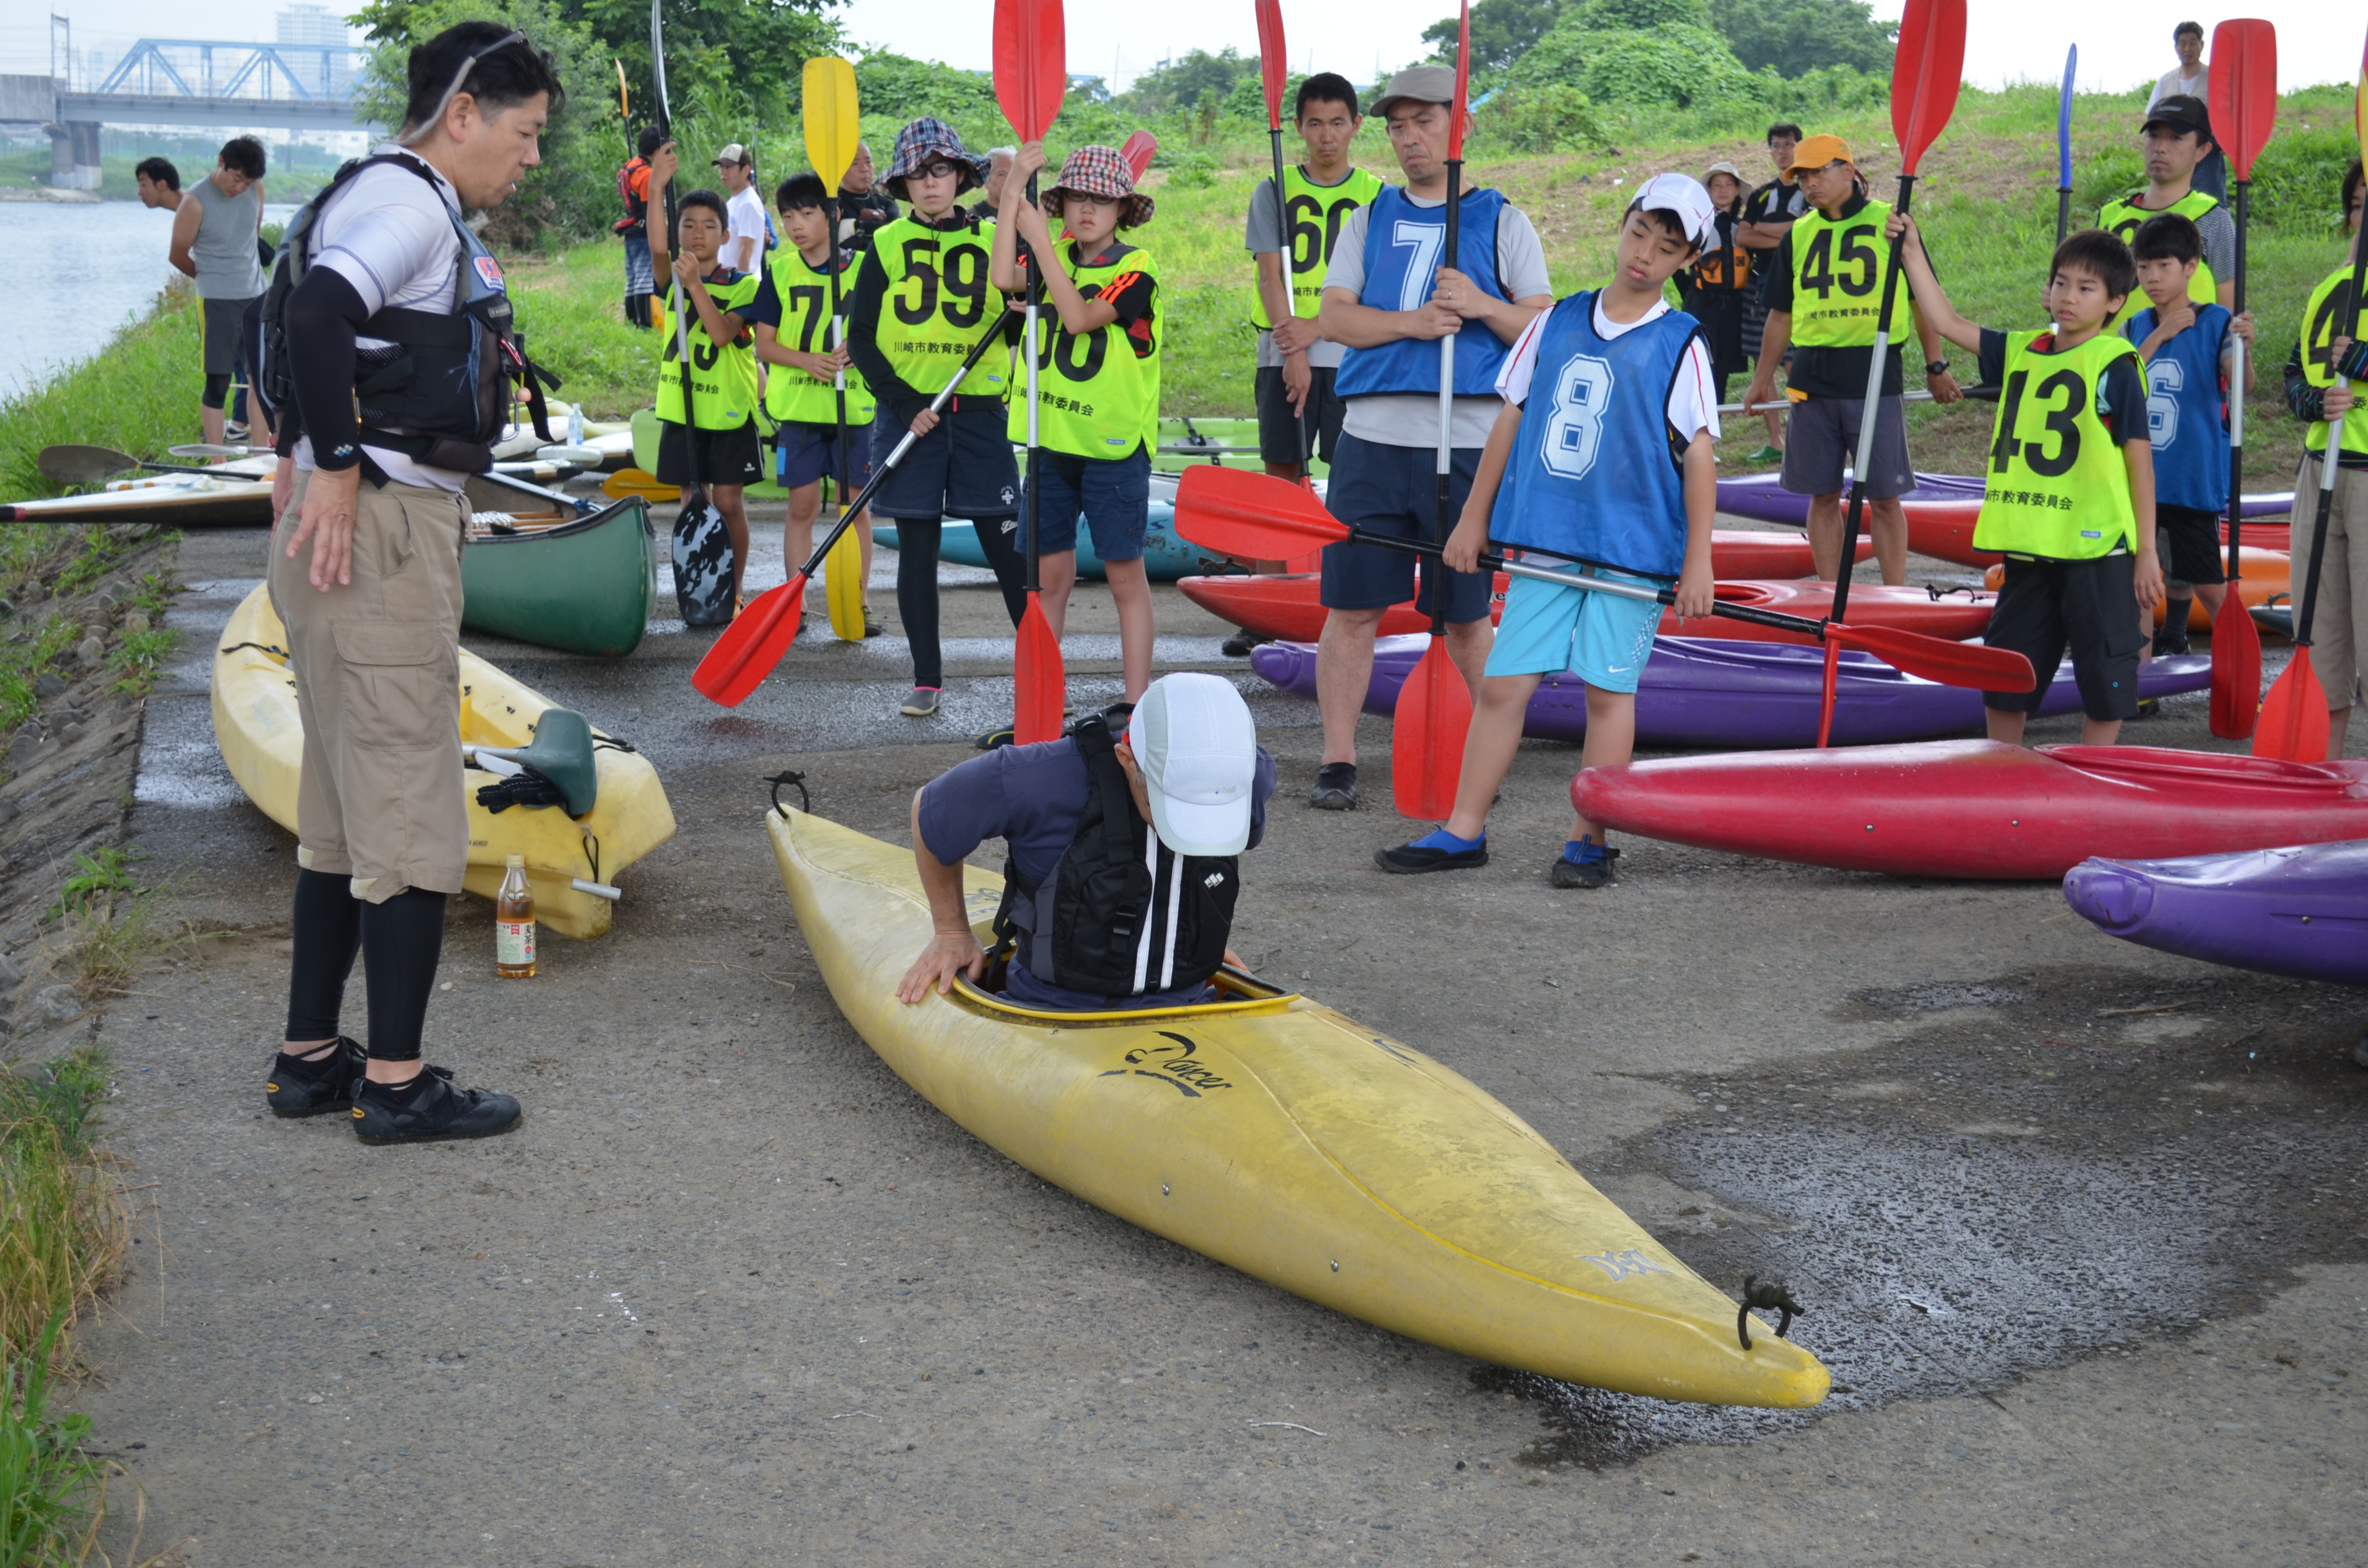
[923,300]
[1097,380]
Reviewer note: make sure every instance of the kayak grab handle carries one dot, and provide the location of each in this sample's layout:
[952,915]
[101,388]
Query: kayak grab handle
[597,890]
[1772,1297]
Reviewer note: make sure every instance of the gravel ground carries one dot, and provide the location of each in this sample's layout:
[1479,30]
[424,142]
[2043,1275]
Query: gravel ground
[2078,1226]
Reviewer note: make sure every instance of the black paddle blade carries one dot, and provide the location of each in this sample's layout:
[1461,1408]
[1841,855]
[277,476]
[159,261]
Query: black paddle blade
[702,561]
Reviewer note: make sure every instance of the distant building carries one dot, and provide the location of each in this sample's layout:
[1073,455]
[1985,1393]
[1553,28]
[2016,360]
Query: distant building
[319,25]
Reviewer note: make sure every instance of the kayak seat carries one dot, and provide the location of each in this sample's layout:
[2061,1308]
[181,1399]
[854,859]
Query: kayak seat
[561,752]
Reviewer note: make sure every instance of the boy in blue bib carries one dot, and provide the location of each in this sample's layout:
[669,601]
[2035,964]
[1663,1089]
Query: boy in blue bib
[1600,459]
[2189,349]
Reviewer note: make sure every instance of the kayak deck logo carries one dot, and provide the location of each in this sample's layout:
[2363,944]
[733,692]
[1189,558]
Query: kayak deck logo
[1176,1063]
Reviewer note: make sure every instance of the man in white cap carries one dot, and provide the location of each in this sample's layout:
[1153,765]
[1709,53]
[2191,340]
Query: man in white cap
[1602,457]
[745,246]
[1122,867]
[1391,296]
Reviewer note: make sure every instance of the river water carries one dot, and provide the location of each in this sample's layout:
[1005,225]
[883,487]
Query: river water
[84,269]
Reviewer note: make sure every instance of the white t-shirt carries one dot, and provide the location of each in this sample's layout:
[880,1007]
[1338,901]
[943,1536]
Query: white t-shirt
[2172,84]
[748,211]
[1412,419]
[1694,395]
[389,235]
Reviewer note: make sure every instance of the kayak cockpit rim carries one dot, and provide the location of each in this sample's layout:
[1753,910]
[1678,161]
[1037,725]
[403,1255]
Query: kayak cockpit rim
[1247,997]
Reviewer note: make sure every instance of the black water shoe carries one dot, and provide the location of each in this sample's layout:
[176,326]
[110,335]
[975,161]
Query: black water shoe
[298,1087]
[1413,859]
[1336,787]
[1570,873]
[428,1108]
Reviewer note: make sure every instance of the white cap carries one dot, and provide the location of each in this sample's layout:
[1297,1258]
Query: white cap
[1684,195]
[1192,736]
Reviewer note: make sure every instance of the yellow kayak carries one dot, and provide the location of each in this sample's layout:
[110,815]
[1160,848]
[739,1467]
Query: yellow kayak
[262,741]
[1271,1133]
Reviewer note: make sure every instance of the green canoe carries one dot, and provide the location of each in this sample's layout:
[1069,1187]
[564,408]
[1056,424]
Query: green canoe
[581,584]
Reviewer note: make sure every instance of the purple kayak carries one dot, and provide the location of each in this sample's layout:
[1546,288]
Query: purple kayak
[2301,911]
[1704,692]
[1763,497]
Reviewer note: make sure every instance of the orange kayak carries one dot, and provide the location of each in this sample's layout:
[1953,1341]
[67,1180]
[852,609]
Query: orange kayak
[1285,607]
[1944,530]
[2267,572]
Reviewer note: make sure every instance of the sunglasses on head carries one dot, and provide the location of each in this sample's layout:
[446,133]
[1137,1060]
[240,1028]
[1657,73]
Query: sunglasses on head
[461,77]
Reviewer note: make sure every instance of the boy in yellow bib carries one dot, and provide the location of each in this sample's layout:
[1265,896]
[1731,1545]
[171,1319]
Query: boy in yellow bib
[1097,381]
[717,446]
[2074,518]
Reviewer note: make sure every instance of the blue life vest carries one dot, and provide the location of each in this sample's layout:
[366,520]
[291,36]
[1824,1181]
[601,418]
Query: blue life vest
[1596,472]
[2186,419]
[1402,246]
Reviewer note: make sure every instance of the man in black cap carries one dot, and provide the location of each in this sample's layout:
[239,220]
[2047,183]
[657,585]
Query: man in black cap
[2176,137]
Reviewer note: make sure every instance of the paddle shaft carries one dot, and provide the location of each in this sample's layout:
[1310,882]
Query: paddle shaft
[1877,358]
[854,508]
[2236,399]
[674,250]
[1449,257]
[1290,289]
[2346,316]
[1035,297]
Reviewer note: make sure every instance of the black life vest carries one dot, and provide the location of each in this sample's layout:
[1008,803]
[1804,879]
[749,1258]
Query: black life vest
[1119,913]
[441,394]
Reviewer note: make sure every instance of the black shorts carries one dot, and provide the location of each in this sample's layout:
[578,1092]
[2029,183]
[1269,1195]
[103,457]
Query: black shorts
[2189,540]
[962,469]
[724,456]
[1394,491]
[1280,431]
[2090,607]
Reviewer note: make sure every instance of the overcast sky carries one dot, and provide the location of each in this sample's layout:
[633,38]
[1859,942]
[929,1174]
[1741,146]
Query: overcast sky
[2121,43]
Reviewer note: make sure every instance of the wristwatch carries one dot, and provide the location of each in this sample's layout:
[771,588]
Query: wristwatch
[1935,367]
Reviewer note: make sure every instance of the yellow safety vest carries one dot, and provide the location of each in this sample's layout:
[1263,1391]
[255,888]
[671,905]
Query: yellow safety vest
[724,380]
[2123,218]
[1838,279]
[2058,486]
[1097,396]
[1315,213]
[790,395]
[2318,331]
[938,304]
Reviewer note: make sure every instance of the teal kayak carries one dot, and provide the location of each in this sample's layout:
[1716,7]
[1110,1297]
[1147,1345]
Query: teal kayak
[1167,554]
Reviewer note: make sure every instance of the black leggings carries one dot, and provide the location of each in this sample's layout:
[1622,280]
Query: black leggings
[217,391]
[916,586]
[400,940]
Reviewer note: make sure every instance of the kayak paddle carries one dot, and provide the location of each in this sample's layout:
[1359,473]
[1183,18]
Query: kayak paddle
[702,545]
[96,465]
[2064,145]
[754,642]
[1274,73]
[1238,513]
[1137,151]
[1031,74]
[2244,106]
[1435,705]
[1926,72]
[833,127]
[2294,716]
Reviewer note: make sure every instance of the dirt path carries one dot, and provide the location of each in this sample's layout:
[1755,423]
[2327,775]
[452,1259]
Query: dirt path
[2092,1281]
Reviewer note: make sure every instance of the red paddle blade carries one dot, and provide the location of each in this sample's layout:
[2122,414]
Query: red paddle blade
[752,644]
[2244,105]
[1039,691]
[1138,153]
[1031,64]
[2236,667]
[1427,736]
[2293,715]
[1274,60]
[1937,658]
[1925,75]
[1463,82]
[1251,516]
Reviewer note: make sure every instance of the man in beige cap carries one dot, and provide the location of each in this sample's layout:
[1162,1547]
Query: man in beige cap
[1388,297]
[1823,296]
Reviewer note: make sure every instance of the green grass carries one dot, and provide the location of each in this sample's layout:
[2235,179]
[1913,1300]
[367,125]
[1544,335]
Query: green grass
[61,1226]
[139,395]
[52,1493]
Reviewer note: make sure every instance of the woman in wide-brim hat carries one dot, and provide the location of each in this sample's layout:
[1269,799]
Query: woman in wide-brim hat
[1100,172]
[933,264]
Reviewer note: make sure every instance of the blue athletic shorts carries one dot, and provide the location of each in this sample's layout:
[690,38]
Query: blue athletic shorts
[1601,639]
[1394,490]
[962,469]
[804,452]
[1113,494]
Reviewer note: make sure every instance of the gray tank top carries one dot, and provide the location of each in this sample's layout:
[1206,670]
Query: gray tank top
[225,249]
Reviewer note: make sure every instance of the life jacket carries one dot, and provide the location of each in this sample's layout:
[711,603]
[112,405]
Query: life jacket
[441,393]
[636,220]
[1119,913]
[2319,331]
[1097,396]
[2058,486]
[1316,212]
[1402,245]
[808,326]
[2122,217]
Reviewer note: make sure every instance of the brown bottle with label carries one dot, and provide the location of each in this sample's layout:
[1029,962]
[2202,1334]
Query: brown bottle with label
[514,925]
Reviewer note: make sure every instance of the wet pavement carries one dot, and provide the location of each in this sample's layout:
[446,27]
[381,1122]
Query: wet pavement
[2077,1226]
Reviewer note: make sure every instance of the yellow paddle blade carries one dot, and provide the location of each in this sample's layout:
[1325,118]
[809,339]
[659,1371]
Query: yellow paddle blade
[842,576]
[832,124]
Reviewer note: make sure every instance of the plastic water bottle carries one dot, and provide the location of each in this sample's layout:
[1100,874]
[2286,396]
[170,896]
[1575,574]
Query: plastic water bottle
[514,925]
[575,425]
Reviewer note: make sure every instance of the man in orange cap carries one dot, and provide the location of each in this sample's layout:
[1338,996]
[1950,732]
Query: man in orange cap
[1823,296]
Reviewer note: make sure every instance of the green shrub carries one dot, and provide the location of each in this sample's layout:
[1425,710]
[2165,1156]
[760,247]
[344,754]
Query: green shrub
[1541,120]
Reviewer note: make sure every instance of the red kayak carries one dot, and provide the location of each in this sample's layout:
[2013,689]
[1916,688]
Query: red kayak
[1285,608]
[1979,808]
[1944,530]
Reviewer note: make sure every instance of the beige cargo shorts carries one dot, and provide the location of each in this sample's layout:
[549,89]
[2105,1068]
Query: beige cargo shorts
[378,688]
[2338,620]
